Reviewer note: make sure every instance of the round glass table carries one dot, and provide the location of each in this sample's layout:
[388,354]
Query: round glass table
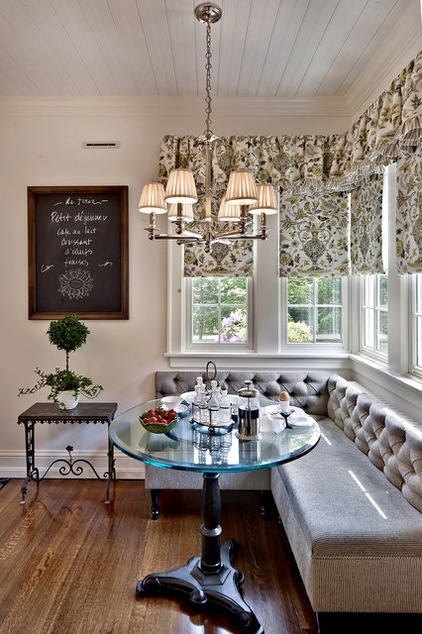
[211,576]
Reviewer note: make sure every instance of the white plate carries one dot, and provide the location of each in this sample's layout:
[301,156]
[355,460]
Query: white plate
[188,396]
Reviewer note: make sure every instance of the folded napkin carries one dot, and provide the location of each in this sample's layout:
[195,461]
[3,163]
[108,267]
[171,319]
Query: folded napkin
[273,422]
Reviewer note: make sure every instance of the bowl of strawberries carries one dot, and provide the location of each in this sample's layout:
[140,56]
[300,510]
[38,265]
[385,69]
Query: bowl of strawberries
[159,420]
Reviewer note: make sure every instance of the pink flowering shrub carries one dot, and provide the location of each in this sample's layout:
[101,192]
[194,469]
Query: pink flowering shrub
[233,328]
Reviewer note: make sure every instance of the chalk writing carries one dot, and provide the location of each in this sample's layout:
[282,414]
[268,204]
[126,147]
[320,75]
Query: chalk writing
[46,267]
[76,229]
[80,248]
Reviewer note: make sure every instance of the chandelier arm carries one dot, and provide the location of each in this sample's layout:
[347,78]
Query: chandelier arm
[154,233]
[245,236]
[167,236]
[192,234]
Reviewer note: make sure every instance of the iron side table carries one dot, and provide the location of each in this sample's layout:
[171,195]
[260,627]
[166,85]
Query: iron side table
[102,413]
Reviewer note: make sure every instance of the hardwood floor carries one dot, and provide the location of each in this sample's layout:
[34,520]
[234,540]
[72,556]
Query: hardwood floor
[69,564]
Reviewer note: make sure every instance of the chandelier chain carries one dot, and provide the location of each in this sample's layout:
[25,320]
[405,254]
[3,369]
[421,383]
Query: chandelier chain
[208,66]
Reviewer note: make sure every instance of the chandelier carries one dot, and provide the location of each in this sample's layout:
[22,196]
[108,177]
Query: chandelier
[243,198]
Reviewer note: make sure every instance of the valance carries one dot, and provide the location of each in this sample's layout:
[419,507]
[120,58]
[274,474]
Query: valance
[291,162]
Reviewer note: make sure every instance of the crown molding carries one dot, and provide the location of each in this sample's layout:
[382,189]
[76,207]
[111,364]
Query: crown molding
[172,106]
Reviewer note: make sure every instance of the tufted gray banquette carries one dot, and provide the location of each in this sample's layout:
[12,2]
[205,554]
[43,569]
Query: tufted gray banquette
[352,507]
[307,390]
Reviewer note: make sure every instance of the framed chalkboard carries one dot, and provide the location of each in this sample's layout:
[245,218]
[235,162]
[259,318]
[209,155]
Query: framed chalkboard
[78,252]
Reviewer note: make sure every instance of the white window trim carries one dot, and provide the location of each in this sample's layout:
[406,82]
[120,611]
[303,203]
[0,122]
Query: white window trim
[414,369]
[375,308]
[388,201]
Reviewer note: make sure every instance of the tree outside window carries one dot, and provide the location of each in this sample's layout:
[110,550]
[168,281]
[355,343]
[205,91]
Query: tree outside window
[314,310]
[219,310]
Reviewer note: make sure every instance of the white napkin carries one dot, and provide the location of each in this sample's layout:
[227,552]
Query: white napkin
[274,422]
[270,424]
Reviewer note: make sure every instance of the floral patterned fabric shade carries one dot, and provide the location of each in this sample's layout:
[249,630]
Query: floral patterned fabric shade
[314,234]
[366,226]
[388,131]
[409,213]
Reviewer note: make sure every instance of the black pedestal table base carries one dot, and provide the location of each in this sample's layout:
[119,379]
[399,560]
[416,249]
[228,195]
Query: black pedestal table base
[209,579]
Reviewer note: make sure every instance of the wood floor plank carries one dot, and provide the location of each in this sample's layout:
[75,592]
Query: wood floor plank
[69,564]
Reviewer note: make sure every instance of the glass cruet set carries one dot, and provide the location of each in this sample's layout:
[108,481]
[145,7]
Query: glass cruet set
[214,408]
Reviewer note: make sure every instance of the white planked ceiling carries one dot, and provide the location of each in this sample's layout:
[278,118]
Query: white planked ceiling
[280,49]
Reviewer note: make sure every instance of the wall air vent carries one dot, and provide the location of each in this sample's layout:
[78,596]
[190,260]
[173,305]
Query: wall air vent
[108,144]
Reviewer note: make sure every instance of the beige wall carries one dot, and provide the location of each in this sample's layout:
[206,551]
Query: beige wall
[41,145]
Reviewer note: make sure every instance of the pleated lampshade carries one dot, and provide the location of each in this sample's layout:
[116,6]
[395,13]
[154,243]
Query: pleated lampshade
[181,187]
[152,199]
[229,213]
[267,200]
[186,213]
[241,189]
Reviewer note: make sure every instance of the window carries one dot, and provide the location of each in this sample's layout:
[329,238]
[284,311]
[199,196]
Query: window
[314,310]
[374,317]
[219,310]
[417,324]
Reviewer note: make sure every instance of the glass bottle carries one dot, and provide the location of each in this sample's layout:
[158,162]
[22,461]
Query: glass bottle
[214,404]
[204,418]
[225,406]
[196,418]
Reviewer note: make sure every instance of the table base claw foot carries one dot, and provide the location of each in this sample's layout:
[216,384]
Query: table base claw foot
[220,588]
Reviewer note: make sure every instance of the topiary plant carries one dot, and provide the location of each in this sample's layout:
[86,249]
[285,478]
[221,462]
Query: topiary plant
[66,334]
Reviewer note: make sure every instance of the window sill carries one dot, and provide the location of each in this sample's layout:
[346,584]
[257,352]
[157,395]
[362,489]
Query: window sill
[334,360]
[401,391]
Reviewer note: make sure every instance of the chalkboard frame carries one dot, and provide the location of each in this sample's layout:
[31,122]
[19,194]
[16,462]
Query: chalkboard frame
[120,292]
